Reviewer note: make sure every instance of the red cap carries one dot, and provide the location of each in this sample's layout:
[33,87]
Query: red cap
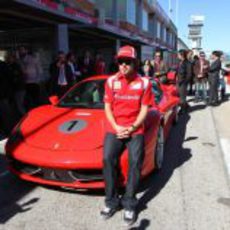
[127,52]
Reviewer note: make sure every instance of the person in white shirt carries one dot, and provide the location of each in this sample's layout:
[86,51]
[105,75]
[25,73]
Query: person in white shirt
[32,72]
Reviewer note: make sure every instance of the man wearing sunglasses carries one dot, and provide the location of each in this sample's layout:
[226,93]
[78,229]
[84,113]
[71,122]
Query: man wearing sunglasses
[159,67]
[127,98]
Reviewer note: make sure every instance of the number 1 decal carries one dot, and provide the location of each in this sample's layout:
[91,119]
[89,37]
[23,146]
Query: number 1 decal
[72,124]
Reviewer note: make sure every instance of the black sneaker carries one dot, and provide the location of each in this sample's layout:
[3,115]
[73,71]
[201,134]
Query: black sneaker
[107,212]
[130,217]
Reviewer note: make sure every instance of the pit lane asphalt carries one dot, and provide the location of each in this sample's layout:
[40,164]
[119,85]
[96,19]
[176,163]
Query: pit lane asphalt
[190,193]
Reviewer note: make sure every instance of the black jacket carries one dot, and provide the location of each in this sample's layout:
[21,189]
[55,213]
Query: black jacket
[16,75]
[184,72]
[214,70]
[54,75]
[5,83]
[87,70]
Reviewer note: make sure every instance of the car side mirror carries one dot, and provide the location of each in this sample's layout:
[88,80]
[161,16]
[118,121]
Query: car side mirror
[53,100]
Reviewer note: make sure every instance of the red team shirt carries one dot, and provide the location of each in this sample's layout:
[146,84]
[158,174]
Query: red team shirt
[126,99]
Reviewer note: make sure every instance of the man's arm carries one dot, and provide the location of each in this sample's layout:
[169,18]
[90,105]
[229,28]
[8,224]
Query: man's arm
[108,99]
[109,115]
[146,102]
[141,116]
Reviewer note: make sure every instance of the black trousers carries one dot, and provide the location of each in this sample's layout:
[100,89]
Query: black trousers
[213,89]
[113,148]
[32,95]
[7,120]
[182,89]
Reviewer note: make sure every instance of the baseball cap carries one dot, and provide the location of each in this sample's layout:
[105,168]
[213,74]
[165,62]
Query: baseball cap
[127,52]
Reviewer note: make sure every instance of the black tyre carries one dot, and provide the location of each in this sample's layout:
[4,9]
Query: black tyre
[176,118]
[159,150]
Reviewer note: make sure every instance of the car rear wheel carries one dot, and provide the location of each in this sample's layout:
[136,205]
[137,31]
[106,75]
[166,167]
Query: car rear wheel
[176,118]
[159,150]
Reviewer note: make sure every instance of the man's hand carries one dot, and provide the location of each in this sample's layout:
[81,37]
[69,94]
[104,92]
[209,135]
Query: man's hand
[124,132]
[120,130]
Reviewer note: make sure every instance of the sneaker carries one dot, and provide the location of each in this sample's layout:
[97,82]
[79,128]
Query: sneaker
[107,212]
[129,217]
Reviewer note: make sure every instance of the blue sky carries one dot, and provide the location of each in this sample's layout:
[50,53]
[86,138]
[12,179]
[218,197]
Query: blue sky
[216,30]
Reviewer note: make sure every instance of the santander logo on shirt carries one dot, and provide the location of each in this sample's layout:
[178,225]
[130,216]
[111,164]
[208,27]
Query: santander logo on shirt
[127,97]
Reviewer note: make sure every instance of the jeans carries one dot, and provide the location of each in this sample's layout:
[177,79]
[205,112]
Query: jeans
[113,147]
[201,89]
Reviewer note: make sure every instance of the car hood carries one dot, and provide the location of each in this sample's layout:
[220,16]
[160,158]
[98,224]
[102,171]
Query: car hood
[59,129]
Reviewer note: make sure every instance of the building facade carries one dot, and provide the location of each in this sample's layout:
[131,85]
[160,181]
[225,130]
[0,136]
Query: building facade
[78,25]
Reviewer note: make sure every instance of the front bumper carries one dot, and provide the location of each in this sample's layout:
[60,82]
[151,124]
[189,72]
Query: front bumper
[44,167]
[58,178]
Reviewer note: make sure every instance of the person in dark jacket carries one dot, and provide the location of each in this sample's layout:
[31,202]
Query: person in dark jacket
[183,74]
[86,65]
[214,77]
[6,118]
[17,83]
[191,62]
[61,77]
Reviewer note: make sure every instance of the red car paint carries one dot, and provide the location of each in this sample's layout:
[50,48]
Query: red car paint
[44,146]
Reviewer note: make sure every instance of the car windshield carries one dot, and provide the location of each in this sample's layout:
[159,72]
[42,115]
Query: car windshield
[90,94]
[87,94]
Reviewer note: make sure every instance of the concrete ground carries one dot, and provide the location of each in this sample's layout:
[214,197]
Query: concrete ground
[191,192]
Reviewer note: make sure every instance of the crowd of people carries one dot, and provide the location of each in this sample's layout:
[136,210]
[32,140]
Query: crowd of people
[195,76]
[23,86]
[203,78]
[66,70]
[125,115]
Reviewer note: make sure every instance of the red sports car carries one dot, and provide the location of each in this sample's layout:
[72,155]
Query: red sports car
[62,144]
